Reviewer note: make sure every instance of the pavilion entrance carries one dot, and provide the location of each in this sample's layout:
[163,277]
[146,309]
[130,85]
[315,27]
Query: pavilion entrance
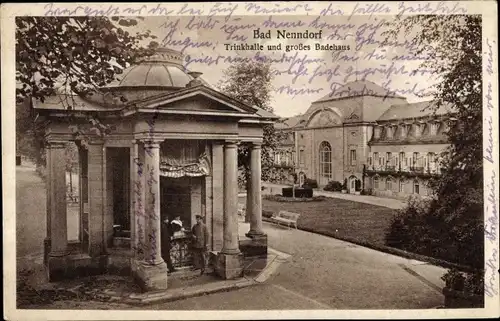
[175,201]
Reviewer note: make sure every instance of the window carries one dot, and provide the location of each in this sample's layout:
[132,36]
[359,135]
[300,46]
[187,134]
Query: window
[418,129]
[402,159]
[416,156]
[416,187]
[325,161]
[434,128]
[389,158]
[370,161]
[375,183]
[301,157]
[401,186]
[388,184]
[376,159]
[388,132]
[353,156]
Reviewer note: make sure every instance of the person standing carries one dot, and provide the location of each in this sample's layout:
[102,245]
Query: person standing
[200,244]
[170,227]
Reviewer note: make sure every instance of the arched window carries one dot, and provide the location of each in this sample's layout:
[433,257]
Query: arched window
[375,182]
[325,162]
[416,187]
[388,184]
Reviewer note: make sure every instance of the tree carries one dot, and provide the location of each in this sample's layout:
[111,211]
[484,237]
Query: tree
[62,55]
[250,83]
[454,218]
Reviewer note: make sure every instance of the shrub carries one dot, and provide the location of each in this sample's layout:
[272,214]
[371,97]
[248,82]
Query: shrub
[420,228]
[367,191]
[466,282]
[311,183]
[299,192]
[333,186]
[267,214]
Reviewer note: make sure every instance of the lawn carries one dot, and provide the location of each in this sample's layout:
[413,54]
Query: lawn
[353,221]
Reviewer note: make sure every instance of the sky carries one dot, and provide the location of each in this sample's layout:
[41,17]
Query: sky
[304,74]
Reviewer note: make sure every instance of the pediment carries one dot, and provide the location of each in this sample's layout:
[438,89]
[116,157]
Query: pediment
[198,103]
[204,100]
[324,118]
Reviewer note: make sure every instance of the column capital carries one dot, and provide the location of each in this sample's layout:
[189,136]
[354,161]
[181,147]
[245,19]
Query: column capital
[151,142]
[231,143]
[96,142]
[256,145]
[55,144]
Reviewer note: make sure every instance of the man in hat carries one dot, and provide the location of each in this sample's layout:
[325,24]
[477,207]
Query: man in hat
[200,244]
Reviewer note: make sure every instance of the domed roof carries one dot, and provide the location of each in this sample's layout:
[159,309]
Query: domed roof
[162,69]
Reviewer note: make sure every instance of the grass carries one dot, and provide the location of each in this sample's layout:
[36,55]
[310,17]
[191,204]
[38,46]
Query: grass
[363,223]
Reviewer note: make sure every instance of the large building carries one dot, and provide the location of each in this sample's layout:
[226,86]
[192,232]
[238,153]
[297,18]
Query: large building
[372,140]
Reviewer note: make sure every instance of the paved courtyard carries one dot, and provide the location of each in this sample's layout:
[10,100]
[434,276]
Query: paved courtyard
[321,273]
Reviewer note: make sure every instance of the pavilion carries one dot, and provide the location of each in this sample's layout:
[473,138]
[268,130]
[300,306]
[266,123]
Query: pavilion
[169,150]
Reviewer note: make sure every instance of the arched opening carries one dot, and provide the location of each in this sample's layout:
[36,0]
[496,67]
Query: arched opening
[416,187]
[352,184]
[388,184]
[325,163]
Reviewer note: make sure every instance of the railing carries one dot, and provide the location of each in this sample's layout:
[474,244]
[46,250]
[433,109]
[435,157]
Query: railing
[427,170]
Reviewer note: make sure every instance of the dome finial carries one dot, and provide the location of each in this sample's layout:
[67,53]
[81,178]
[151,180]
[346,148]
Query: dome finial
[195,81]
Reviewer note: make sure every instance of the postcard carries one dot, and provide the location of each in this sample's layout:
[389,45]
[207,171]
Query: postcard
[250,160]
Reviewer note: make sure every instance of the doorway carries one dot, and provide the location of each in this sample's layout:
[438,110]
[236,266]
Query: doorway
[176,202]
[352,184]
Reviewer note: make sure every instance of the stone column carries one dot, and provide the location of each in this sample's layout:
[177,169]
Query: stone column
[149,267]
[230,260]
[152,198]
[254,204]
[58,215]
[46,241]
[218,196]
[56,260]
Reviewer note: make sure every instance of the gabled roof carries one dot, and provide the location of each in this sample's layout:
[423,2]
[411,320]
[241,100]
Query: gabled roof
[356,89]
[414,110]
[200,90]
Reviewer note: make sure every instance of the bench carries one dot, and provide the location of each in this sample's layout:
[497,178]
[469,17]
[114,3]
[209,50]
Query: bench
[289,218]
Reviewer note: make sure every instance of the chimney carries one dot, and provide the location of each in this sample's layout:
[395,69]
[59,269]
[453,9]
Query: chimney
[195,81]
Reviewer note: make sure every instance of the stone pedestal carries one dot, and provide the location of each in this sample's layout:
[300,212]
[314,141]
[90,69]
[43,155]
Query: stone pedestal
[150,277]
[229,266]
[257,245]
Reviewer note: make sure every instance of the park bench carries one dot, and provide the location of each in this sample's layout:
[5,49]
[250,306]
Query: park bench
[289,218]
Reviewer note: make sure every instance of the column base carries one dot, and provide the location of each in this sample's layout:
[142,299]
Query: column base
[75,265]
[150,277]
[256,246]
[229,266]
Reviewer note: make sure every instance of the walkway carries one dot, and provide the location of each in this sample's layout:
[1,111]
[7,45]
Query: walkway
[374,200]
[325,273]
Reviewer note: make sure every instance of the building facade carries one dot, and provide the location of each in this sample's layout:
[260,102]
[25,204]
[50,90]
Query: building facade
[373,141]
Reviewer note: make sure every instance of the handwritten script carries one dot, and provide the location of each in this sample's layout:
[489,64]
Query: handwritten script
[491,217]
[203,33]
